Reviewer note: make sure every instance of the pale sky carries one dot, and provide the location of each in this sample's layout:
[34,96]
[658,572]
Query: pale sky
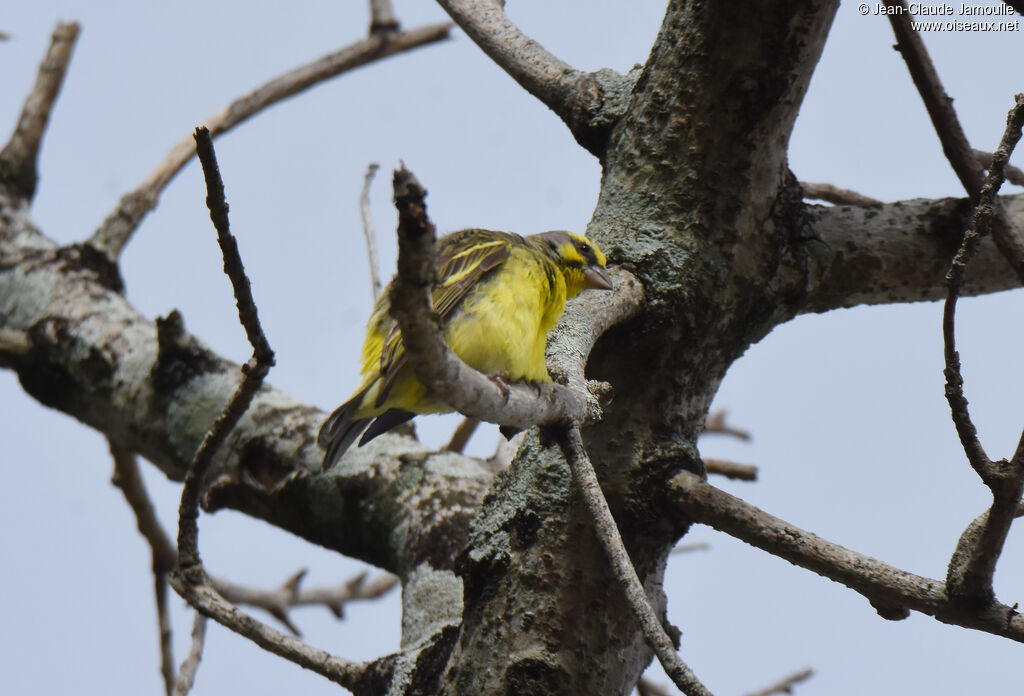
[851,431]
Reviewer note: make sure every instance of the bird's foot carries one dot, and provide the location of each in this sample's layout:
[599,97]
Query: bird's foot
[501,379]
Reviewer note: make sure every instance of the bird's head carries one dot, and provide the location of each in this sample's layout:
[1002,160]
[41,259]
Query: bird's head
[579,259]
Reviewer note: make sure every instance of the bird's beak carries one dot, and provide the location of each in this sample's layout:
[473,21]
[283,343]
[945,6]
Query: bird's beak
[597,278]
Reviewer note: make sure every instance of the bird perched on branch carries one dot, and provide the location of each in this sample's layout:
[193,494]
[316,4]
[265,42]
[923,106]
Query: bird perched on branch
[497,294]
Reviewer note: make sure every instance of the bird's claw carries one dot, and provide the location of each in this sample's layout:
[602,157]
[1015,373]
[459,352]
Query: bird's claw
[501,380]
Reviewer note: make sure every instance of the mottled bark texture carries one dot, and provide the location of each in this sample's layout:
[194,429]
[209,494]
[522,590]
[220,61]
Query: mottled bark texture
[505,588]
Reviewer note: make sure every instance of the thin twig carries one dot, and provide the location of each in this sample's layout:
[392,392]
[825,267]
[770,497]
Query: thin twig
[164,556]
[368,232]
[128,478]
[18,159]
[981,225]
[890,590]
[382,17]
[253,371]
[715,424]
[117,229]
[586,482]
[732,470]
[190,665]
[936,101]
[784,686]
[1015,175]
[690,548]
[947,125]
[462,434]
[191,580]
[835,195]
[278,601]
[645,687]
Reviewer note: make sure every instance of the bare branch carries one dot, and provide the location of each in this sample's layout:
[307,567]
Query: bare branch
[835,195]
[165,556]
[890,590]
[116,230]
[128,478]
[18,159]
[588,103]
[784,686]
[368,231]
[586,482]
[253,372]
[973,565]
[732,470]
[190,665]
[190,580]
[981,225]
[715,424]
[645,687]
[1015,175]
[278,601]
[690,548]
[954,142]
[462,434]
[899,252]
[938,104]
[382,17]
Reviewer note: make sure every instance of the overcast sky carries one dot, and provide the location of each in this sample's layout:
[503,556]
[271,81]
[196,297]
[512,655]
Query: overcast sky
[852,434]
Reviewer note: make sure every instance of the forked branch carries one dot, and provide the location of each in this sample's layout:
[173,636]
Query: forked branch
[893,592]
[18,159]
[973,565]
[117,229]
[190,580]
[955,145]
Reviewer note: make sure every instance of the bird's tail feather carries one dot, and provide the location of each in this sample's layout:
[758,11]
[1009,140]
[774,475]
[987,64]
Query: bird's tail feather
[341,429]
[385,422]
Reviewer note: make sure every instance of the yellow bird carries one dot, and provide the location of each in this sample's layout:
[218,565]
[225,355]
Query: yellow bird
[498,294]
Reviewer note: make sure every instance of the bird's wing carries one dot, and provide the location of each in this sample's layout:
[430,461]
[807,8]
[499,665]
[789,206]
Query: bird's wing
[460,265]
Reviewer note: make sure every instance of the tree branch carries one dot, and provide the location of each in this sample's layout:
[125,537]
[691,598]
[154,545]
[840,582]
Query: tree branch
[278,601]
[715,424]
[1013,174]
[608,534]
[891,591]
[981,226]
[368,231]
[18,159]
[835,195]
[165,556]
[785,685]
[382,17]
[588,103]
[117,229]
[954,142]
[191,580]
[732,470]
[898,252]
[973,565]
[190,665]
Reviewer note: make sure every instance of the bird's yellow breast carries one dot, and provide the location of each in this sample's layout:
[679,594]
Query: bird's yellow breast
[502,325]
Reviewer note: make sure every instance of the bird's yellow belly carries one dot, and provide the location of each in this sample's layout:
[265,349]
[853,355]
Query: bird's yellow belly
[501,334]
